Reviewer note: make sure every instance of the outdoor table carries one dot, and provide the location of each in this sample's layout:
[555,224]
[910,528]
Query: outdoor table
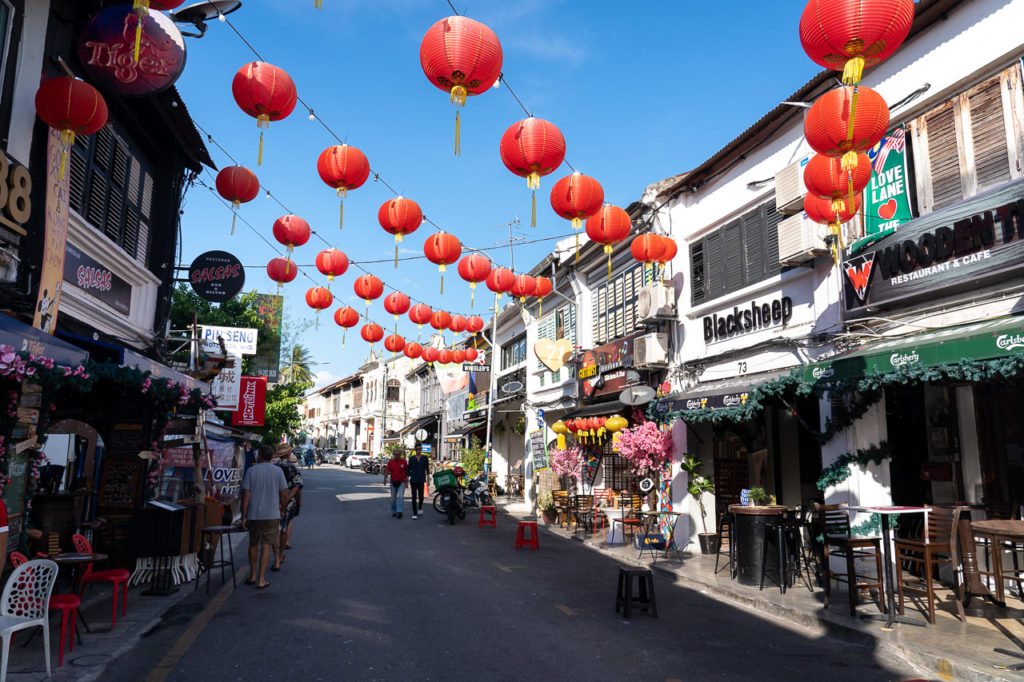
[651,522]
[998,531]
[885,512]
[71,564]
[749,535]
[615,516]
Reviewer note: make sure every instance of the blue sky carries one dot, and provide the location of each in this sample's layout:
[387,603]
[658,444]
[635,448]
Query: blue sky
[641,91]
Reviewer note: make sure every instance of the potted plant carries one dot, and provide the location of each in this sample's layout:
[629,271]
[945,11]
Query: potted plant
[546,505]
[697,484]
[759,496]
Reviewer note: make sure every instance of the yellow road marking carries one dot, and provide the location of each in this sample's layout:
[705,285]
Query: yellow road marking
[170,661]
[502,568]
[565,609]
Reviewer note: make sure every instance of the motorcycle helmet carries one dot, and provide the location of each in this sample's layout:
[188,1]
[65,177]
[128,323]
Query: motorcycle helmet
[459,471]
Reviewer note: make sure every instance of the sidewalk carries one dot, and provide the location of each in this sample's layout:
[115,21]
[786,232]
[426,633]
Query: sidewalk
[103,646]
[949,650]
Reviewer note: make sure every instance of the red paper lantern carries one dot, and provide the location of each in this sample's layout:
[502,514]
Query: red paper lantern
[442,249]
[445,357]
[459,356]
[239,185]
[827,125]
[368,287]
[462,57]
[399,216]
[576,197]
[474,324]
[523,286]
[345,318]
[609,226]
[670,249]
[457,324]
[828,211]
[500,281]
[394,343]
[71,106]
[372,333]
[430,354]
[474,268]
[333,263]
[849,35]
[420,314]
[440,320]
[319,298]
[825,177]
[413,350]
[647,248]
[292,231]
[472,354]
[265,92]
[531,148]
[541,288]
[396,303]
[281,270]
[343,168]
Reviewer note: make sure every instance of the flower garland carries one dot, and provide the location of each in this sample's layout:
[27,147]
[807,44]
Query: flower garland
[567,462]
[873,526]
[839,470]
[646,447]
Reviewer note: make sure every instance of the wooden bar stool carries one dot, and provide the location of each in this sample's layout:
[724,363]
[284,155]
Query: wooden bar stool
[208,534]
[644,600]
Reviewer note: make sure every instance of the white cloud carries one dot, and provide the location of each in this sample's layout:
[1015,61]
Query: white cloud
[323,378]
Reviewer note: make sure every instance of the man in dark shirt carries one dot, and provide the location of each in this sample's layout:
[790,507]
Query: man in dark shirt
[417,473]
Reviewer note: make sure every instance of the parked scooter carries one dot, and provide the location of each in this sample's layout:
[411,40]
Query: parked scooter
[454,501]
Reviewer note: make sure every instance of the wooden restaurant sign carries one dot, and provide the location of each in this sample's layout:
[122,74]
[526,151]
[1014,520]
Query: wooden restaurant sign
[975,243]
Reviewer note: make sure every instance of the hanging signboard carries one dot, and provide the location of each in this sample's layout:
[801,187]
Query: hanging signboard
[252,402]
[887,197]
[228,384]
[237,340]
[216,276]
[608,368]
[538,450]
[56,236]
[106,50]
[94,278]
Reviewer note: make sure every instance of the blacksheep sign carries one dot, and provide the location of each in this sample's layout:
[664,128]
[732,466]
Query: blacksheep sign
[216,276]
[759,315]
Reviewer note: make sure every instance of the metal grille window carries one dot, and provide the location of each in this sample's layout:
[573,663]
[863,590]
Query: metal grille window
[394,390]
[112,189]
[514,352]
[743,252]
[617,473]
[615,304]
[970,143]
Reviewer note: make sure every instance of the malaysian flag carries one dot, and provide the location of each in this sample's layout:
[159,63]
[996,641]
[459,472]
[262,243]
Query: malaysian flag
[894,141]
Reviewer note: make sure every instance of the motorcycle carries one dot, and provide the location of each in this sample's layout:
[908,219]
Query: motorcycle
[453,501]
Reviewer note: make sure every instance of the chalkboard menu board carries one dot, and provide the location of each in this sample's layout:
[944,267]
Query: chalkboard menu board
[14,492]
[538,450]
[119,483]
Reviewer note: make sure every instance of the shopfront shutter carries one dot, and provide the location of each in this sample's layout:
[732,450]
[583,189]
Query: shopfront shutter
[600,303]
[988,134]
[943,156]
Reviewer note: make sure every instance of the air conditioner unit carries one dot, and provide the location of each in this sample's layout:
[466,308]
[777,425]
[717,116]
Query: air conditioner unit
[651,350]
[789,188]
[800,240]
[656,302]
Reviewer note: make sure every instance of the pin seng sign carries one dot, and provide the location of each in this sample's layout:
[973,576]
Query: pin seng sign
[976,243]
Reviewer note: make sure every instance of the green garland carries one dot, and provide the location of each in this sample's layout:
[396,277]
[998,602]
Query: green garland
[873,526]
[839,470]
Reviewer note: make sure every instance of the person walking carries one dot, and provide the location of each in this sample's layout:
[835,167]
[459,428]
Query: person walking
[292,504]
[264,493]
[396,470]
[417,472]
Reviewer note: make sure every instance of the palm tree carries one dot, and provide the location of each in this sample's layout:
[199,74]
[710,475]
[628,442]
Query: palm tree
[297,367]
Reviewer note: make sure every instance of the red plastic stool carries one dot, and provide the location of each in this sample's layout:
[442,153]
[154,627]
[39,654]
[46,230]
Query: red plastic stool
[68,605]
[492,522]
[522,540]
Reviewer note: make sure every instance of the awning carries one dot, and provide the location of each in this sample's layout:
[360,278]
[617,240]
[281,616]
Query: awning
[411,427]
[141,362]
[718,395]
[608,407]
[29,339]
[465,430]
[977,341]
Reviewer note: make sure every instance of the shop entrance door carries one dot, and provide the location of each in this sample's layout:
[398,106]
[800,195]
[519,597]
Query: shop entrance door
[732,471]
[1000,443]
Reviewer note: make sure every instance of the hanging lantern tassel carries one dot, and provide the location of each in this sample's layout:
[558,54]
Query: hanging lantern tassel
[442,270]
[398,238]
[67,138]
[343,337]
[608,250]
[141,9]
[235,205]
[342,193]
[458,142]
[849,160]
[853,70]
[561,442]
[317,325]
[319,4]
[472,293]
[540,312]
[533,182]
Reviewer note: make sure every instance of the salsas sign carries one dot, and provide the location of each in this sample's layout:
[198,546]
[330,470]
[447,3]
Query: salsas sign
[96,279]
[216,276]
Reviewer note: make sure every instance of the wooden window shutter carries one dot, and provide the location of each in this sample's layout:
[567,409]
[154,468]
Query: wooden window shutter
[570,324]
[714,266]
[732,235]
[697,279]
[771,240]
[753,245]
[988,135]
[939,129]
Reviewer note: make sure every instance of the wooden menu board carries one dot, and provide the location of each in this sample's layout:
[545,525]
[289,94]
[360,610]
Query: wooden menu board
[538,450]
[119,483]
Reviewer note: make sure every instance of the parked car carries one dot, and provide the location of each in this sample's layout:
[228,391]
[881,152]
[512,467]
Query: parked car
[356,459]
[338,457]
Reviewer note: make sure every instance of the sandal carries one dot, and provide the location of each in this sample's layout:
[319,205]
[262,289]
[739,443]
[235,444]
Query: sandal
[275,568]
[250,581]
[263,586]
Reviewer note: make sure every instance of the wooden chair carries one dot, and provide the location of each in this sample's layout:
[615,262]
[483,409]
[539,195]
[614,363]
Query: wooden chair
[926,554]
[561,499]
[631,520]
[833,523]
[998,510]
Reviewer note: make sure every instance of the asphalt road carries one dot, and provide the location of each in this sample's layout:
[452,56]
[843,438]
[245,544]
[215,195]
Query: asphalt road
[364,596]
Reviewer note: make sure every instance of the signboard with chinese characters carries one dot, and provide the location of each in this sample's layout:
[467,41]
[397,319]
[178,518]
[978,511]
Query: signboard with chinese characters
[97,280]
[608,368]
[107,45]
[252,402]
[228,384]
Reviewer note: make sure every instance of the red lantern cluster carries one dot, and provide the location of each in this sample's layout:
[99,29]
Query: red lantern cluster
[430,354]
[239,185]
[420,314]
[577,197]
[281,270]
[292,231]
[397,304]
[542,287]
[440,320]
[368,287]
[394,343]
[500,281]
[372,333]
[532,148]
[413,350]
[653,249]
[266,93]
[609,226]
[457,324]
[71,106]
[474,324]
[523,286]
[343,168]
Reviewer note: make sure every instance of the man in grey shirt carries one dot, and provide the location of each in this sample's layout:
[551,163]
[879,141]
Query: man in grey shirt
[264,492]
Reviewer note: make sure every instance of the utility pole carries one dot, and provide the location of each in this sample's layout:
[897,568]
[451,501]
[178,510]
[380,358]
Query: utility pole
[492,389]
[384,419]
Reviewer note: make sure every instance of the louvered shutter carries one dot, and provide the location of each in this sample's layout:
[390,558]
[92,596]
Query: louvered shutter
[570,324]
[753,245]
[714,266]
[988,134]
[943,157]
[732,237]
[634,283]
[698,282]
[771,240]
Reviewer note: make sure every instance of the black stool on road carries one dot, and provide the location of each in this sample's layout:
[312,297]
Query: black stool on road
[645,592]
[208,534]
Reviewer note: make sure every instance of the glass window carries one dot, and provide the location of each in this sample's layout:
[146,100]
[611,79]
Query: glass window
[394,390]
[514,352]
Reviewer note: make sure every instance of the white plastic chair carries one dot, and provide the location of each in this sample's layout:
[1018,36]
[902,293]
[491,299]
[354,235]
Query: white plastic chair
[25,604]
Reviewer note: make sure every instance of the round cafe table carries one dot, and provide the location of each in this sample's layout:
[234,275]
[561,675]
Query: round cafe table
[614,516]
[750,523]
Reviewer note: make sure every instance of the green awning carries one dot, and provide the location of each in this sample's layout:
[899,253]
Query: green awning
[977,341]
